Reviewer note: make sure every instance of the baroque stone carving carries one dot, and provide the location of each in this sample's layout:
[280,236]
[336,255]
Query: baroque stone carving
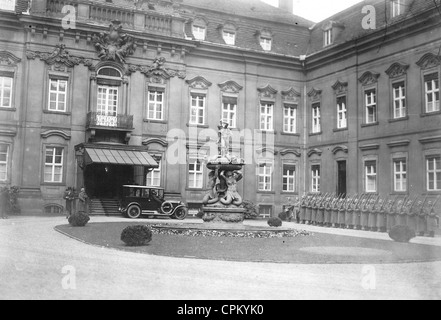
[369,78]
[315,151]
[199,83]
[114,45]
[8,59]
[267,92]
[397,70]
[315,94]
[337,149]
[59,58]
[428,61]
[340,87]
[230,86]
[157,71]
[291,94]
[295,152]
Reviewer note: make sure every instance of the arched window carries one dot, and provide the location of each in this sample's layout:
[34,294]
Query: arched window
[109,72]
[108,94]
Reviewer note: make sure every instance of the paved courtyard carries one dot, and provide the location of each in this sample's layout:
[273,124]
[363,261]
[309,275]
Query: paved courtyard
[35,261]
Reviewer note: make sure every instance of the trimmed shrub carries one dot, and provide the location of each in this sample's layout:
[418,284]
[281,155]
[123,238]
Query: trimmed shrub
[274,222]
[10,196]
[283,216]
[252,210]
[78,219]
[136,236]
[402,234]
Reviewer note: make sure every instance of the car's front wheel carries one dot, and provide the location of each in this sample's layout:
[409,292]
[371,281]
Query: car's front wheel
[181,213]
[134,211]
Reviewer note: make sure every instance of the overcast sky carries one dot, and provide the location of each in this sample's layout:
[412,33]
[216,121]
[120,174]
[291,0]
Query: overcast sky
[317,10]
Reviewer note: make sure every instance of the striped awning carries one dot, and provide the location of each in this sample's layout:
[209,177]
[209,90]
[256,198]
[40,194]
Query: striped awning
[119,157]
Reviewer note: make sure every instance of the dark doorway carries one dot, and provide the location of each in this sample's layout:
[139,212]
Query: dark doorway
[341,178]
[105,181]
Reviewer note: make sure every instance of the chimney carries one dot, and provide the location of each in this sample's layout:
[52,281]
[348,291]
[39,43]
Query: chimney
[287,5]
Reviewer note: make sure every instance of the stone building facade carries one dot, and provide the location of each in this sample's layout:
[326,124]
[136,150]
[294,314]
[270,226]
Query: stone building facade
[348,105]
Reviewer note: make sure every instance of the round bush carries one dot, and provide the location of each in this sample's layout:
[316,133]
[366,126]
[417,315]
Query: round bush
[136,236]
[78,219]
[402,234]
[274,222]
[283,216]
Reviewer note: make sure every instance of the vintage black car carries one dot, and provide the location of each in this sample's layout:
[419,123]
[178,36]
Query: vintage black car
[149,201]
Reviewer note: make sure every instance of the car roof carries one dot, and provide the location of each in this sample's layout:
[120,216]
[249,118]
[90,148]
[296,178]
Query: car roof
[142,187]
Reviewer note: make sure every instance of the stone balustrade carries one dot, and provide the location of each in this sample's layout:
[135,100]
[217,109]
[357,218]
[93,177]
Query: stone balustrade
[102,13]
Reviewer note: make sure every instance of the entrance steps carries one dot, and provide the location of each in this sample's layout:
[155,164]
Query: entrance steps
[104,207]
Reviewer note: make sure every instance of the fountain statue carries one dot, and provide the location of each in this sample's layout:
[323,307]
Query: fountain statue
[222,203]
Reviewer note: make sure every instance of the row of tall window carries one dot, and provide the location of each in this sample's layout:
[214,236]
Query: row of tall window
[108,100]
[54,162]
[400,175]
[266,176]
[399,104]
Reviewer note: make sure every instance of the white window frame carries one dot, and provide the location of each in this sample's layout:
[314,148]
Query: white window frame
[436,172]
[11,6]
[265,176]
[371,105]
[3,89]
[370,172]
[267,209]
[328,37]
[266,116]
[154,105]
[342,113]
[400,175]
[199,32]
[53,165]
[433,106]
[266,43]
[290,177]
[154,177]
[399,100]
[104,108]
[316,118]
[197,174]
[396,8]
[315,178]
[289,118]
[58,93]
[4,164]
[229,37]
[197,112]
[229,114]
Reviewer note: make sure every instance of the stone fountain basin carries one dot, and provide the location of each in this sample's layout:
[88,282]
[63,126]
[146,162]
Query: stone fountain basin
[226,167]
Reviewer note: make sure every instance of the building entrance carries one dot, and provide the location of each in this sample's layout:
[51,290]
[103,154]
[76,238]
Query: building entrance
[105,181]
[341,178]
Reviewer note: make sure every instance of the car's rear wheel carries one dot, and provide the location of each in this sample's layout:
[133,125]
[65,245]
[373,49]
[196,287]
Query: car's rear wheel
[181,213]
[134,212]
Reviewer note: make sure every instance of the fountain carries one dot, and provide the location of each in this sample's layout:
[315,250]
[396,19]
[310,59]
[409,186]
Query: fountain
[222,203]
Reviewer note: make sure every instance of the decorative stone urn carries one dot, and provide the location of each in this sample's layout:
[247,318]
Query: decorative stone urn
[223,204]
